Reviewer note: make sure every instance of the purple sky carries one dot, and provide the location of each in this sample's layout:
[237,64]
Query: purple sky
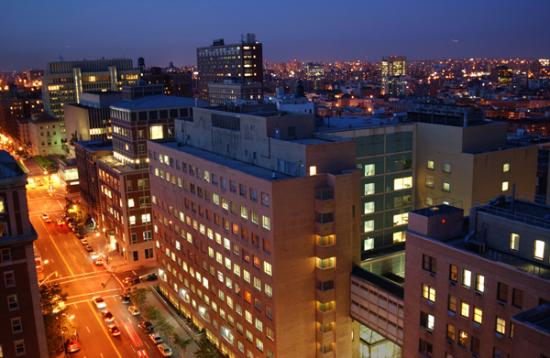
[34,32]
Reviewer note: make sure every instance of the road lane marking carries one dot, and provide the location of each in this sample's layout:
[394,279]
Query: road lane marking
[92,293]
[80,275]
[94,312]
[57,249]
[88,299]
[88,329]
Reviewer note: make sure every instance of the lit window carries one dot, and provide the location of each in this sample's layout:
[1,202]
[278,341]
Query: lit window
[368,244]
[500,326]
[244,212]
[539,249]
[446,168]
[368,226]
[467,278]
[369,188]
[312,170]
[463,338]
[505,167]
[132,220]
[446,187]
[267,268]
[400,219]
[369,207]
[428,293]
[156,132]
[430,164]
[480,283]
[478,315]
[369,170]
[514,241]
[402,183]
[451,332]
[145,218]
[399,236]
[464,309]
[325,263]
[429,201]
[430,181]
[505,186]
[266,222]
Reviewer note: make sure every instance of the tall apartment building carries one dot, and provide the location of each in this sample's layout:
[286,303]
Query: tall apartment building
[144,114]
[479,287]
[393,72]
[469,164]
[65,81]
[254,223]
[87,154]
[90,119]
[241,62]
[385,156]
[220,93]
[22,331]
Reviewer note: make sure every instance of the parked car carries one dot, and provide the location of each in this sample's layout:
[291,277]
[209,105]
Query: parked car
[108,317]
[134,311]
[72,346]
[146,325]
[99,302]
[114,330]
[46,218]
[84,241]
[125,298]
[99,261]
[164,350]
[151,277]
[155,338]
[60,222]
[88,248]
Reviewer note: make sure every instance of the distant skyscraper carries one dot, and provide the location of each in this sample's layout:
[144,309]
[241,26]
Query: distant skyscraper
[21,324]
[393,71]
[239,62]
[65,81]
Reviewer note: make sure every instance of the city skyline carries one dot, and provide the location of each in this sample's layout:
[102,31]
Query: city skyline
[503,29]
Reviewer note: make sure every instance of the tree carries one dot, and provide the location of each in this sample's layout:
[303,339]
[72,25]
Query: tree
[206,349]
[180,341]
[58,323]
[139,296]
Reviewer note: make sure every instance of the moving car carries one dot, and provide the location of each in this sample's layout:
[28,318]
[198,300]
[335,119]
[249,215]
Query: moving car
[164,350]
[125,298]
[108,317]
[60,222]
[113,329]
[99,261]
[72,346]
[88,248]
[99,302]
[46,218]
[146,325]
[155,338]
[142,353]
[134,311]
[84,242]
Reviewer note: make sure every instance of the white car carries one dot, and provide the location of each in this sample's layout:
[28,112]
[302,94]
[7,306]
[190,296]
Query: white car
[155,338]
[108,317]
[164,350]
[99,302]
[134,311]
[46,218]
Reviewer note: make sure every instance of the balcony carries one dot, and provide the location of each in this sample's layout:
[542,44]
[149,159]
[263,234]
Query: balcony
[325,353]
[325,336]
[324,228]
[325,295]
[324,252]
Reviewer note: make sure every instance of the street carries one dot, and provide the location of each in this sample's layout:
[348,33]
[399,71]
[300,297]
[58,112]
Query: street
[68,264]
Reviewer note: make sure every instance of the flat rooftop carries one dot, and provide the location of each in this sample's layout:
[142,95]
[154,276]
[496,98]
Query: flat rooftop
[157,102]
[537,317]
[246,168]
[9,167]
[524,211]
[337,124]
[95,145]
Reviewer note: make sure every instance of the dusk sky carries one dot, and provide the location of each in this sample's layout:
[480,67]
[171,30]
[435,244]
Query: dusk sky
[34,32]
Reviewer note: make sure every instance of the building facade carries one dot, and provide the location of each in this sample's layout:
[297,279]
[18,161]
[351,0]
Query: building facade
[241,62]
[22,331]
[479,287]
[123,177]
[229,91]
[254,222]
[393,72]
[47,135]
[65,81]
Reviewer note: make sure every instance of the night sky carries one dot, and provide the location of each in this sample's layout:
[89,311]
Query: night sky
[34,32]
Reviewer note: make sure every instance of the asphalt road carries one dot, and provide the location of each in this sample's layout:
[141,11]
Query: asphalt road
[67,263]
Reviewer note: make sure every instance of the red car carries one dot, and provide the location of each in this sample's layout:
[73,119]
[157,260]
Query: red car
[72,346]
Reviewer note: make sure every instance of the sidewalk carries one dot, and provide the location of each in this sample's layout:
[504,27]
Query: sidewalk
[180,326]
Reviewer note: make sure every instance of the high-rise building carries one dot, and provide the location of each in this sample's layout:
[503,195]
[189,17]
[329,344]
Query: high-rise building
[144,114]
[254,221]
[239,62]
[478,287]
[385,156]
[464,160]
[65,81]
[393,71]
[22,331]
[229,91]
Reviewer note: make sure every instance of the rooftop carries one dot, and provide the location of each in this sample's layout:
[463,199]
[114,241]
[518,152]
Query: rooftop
[527,212]
[336,124]
[95,145]
[247,168]
[9,167]
[537,317]
[438,210]
[157,102]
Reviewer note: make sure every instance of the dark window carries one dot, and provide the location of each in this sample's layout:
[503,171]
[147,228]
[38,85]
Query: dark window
[325,285]
[173,113]
[149,253]
[136,255]
[452,304]
[425,348]
[475,346]
[226,122]
[429,263]
[502,292]
[142,116]
[163,114]
[517,297]
[292,132]
[153,115]
[324,217]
